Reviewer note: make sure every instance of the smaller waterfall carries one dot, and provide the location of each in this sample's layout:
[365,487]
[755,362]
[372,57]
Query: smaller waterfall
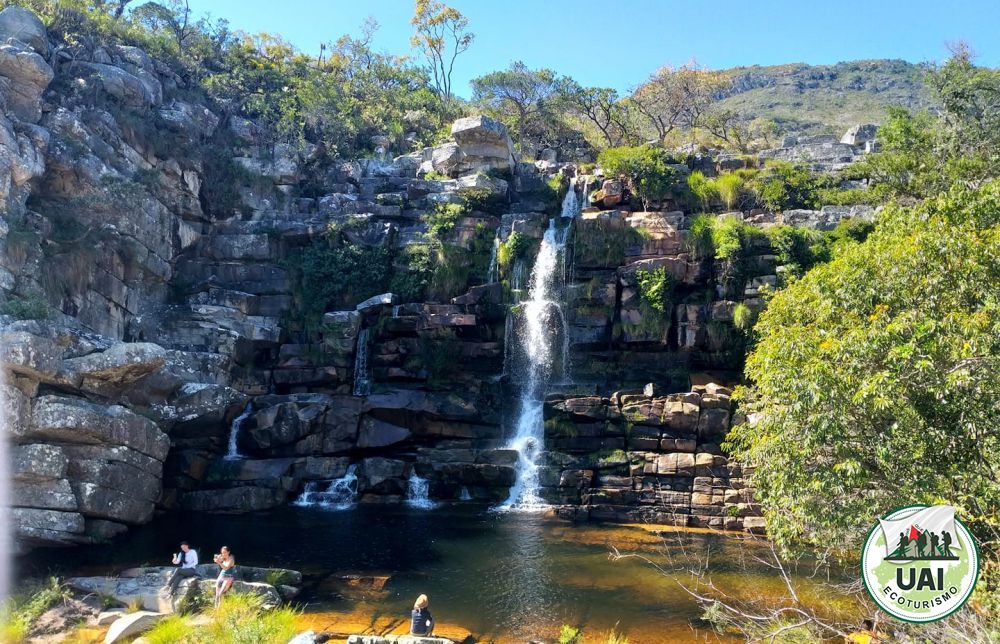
[493,272]
[396,308]
[233,452]
[362,379]
[570,204]
[517,276]
[464,494]
[338,494]
[416,493]
[585,195]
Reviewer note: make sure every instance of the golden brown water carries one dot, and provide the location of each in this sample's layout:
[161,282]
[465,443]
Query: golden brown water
[501,578]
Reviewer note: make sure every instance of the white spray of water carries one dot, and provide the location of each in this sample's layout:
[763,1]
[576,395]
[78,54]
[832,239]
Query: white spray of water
[362,379]
[338,494]
[493,271]
[464,495]
[541,316]
[417,493]
[233,451]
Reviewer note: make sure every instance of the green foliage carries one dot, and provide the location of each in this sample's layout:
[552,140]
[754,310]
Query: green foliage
[240,619]
[570,635]
[646,168]
[414,268]
[332,274]
[702,188]
[655,288]
[439,356]
[743,317]
[729,186]
[170,630]
[875,379]
[441,220]
[603,242]
[783,186]
[485,201]
[516,246]
[30,307]
[798,249]
[19,612]
[699,236]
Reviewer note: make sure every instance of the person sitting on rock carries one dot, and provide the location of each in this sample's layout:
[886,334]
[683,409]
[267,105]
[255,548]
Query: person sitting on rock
[421,622]
[227,574]
[187,562]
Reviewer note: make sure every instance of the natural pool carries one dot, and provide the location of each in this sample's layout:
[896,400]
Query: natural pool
[502,577]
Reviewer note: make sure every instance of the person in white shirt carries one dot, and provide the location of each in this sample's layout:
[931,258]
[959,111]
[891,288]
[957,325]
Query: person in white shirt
[187,560]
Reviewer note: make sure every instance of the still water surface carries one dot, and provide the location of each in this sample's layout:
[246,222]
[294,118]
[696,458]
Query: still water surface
[502,577]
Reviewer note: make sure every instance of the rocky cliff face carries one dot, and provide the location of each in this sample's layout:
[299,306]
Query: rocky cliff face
[161,350]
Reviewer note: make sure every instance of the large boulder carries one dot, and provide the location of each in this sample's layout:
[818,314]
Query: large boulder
[127,627]
[481,144]
[138,90]
[860,134]
[21,24]
[58,419]
[110,372]
[28,75]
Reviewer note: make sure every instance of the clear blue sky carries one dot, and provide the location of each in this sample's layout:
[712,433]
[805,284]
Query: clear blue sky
[618,43]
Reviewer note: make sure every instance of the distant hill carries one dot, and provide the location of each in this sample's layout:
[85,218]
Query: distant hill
[819,99]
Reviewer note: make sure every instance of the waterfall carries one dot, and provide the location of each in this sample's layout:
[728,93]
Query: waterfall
[540,319]
[338,494]
[570,204]
[585,195]
[416,493]
[362,379]
[464,494]
[396,308]
[233,452]
[6,514]
[493,272]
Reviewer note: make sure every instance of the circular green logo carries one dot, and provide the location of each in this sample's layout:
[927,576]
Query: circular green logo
[920,563]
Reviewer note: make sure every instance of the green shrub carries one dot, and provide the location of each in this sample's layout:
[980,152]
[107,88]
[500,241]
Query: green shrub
[702,188]
[442,219]
[19,612]
[30,307]
[730,188]
[782,186]
[646,168]
[516,246]
[414,269]
[655,288]
[699,237]
[570,635]
[332,274]
[798,249]
[242,619]
[743,317]
[171,630]
[485,201]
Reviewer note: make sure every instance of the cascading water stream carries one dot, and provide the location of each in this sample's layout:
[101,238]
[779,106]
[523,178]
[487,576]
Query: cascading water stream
[362,379]
[417,490]
[541,321]
[493,271]
[233,451]
[338,494]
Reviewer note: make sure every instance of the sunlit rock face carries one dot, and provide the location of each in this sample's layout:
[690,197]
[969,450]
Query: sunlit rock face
[162,353]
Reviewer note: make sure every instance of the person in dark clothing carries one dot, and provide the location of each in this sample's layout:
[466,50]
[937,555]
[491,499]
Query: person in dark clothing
[421,622]
[187,566]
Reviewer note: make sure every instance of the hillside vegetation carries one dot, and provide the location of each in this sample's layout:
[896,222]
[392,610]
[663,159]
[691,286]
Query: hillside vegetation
[826,99]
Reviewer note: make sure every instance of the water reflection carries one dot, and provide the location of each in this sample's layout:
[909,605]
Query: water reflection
[505,577]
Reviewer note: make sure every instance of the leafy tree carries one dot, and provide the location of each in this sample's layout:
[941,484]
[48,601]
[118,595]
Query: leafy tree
[678,97]
[441,34]
[875,378]
[646,168]
[738,132]
[518,96]
[605,110]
